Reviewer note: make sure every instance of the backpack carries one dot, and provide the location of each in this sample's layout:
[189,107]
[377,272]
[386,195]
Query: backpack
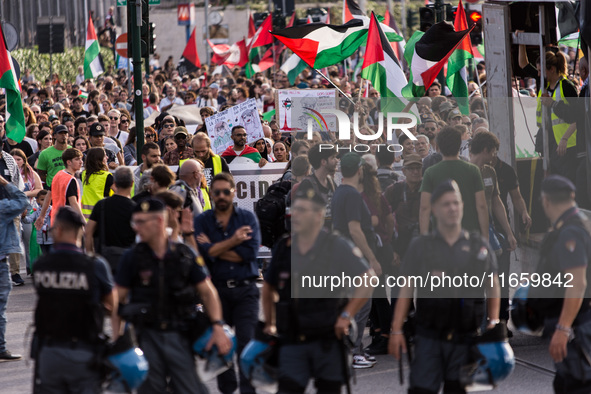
[386,179]
[270,211]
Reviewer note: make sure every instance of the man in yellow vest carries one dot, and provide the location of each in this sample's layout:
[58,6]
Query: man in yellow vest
[213,164]
[192,188]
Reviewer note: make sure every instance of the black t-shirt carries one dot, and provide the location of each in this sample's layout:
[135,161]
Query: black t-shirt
[4,171]
[84,113]
[117,218]
[72,190]
[208,169]
[108,184]
[23,145]
[348,206]
[506,178]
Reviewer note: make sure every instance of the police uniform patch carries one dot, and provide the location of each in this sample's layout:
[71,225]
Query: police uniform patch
[465,248]
[570,245]
[145,206]
[482,253]
[199,260]
[357,252]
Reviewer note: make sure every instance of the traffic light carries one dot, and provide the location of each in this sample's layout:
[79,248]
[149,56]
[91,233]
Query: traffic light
[278,20]
[145,29]
[475,18]
[412,20]
[427,18]
[450,13]
[152,35]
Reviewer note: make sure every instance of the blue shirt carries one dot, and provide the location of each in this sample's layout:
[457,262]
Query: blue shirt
[223,270]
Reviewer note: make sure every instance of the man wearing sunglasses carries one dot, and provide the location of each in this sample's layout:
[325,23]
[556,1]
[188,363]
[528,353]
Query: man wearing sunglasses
[114,120]
[182,152]
[228,238]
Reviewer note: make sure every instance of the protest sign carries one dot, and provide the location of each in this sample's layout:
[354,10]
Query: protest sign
[219,126]
[295,106]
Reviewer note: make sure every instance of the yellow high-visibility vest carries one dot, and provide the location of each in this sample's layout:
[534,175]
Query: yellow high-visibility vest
[93,192]
[559,126]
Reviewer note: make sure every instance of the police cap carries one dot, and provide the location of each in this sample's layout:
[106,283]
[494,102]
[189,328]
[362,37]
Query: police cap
[68,215]
[444,187]
[306,192]
[149,204]
[557,184]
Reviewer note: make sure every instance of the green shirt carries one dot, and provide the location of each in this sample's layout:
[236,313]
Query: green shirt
[469,180]
[50,161]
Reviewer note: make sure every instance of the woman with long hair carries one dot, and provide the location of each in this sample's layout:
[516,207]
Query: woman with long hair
[281,152]
[30,177]
[29,116]
[82,144]
[44,141]
[93,107]
[130,148]
[383,223]
[31,136]
[169,144]
[96,180]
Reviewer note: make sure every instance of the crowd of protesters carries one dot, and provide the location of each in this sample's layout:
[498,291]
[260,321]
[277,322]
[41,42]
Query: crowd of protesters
[79,134]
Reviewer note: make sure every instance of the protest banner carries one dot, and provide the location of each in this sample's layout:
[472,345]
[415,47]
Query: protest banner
[219,126]
[295,106]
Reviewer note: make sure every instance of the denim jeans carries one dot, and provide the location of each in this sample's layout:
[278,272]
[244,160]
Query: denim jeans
[5,287]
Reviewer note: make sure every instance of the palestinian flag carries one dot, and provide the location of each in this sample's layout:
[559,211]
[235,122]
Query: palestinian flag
[291,20]
[571,40]
[457,75]
[351,10]
[249,152]
[251,28]
[190,58]
[382,69]
[427,53]
[93,64]
[293,67]
[15,117]
[261,38]
[398,46]
[321,45]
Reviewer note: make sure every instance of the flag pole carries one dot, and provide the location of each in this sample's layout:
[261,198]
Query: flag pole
[336,87]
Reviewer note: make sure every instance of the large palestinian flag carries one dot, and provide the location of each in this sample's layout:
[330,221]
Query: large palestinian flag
[382,69]
[15,117]
[457,75]
[427,53]
[229,55]
[190,58]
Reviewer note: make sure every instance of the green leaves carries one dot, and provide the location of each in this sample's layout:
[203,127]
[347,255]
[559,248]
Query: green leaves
[64,64]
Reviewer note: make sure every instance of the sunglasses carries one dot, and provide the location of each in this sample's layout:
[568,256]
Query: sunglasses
[430,128]
[180,137]
[226,192]
[168,125]
[150,135]
[113,118]
[124,120]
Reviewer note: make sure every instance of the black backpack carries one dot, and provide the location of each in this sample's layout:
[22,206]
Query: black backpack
[270,211]
[387,179]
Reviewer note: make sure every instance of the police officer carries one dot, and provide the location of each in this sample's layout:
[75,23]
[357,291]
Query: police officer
[448,319]
[564,257]
[312,324]
[72,290]
[160,281]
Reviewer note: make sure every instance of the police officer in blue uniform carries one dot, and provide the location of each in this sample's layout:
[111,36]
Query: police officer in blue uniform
[72,291]
[447,320]
[229,240]
[312,325]
[160,283]
[564,259]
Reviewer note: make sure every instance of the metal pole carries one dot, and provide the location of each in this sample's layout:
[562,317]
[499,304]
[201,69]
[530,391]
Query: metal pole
[22,20]
[135,15]
[58,7]
[439,8]
[206,23]
[336,87]
[546,158]
[402,16]
[50,46]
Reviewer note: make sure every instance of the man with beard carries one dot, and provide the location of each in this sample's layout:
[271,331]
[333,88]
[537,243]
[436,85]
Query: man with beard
[240,149]
[431,131]
[229,239]
[422,145]
[150,157]
[213,164]
[182,151]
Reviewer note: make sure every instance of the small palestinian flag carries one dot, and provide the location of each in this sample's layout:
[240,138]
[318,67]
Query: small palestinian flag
[382,69]
[93,64]
[15,117]
[427,53]
[457,75]
[351,10]
[190,58]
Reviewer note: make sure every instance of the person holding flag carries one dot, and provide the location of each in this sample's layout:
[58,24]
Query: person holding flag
[93,63]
